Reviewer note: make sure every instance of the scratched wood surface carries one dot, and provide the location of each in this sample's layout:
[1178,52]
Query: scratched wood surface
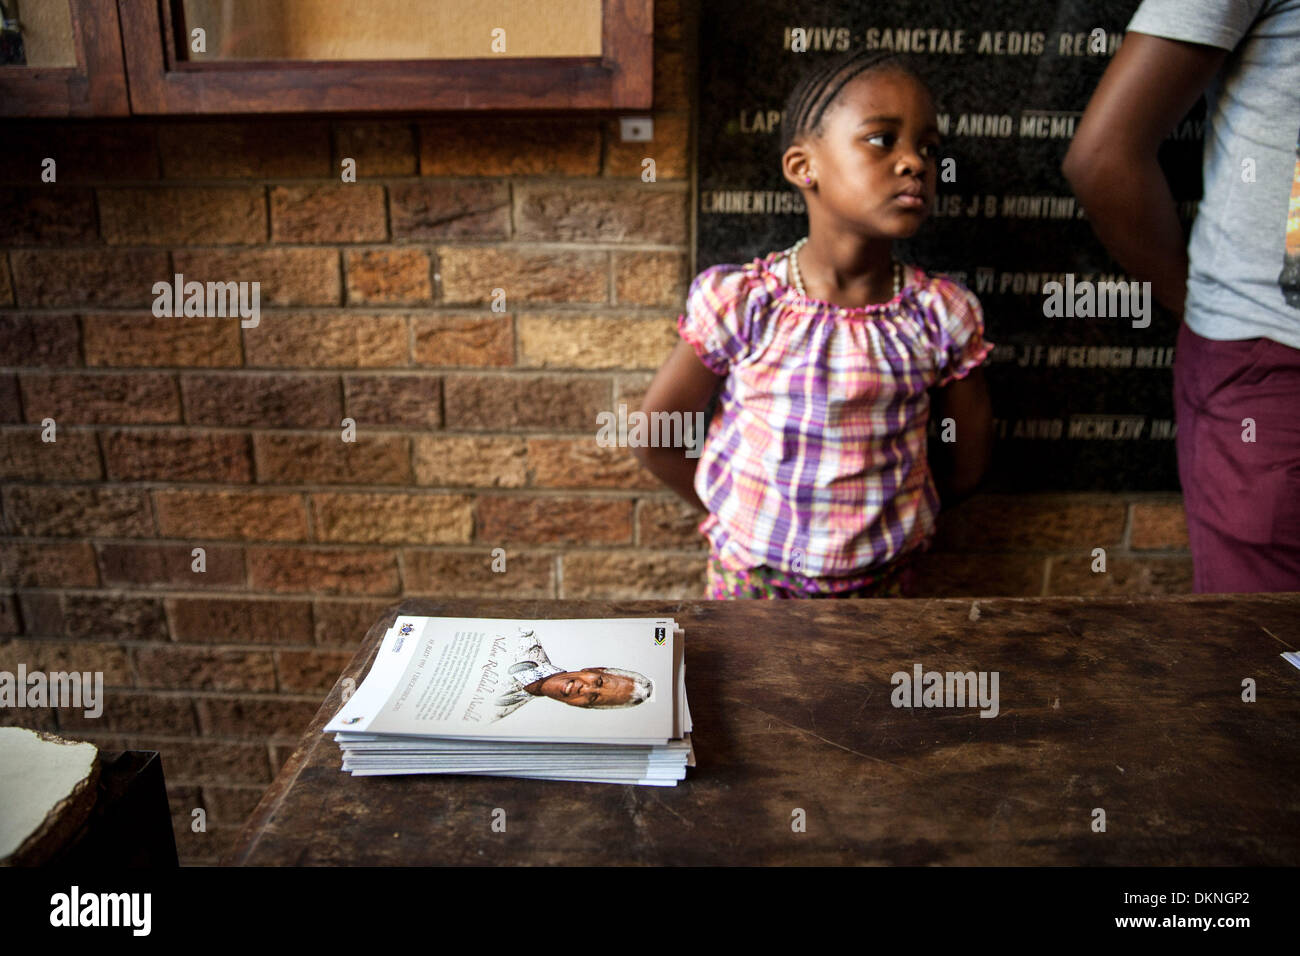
[1129,705]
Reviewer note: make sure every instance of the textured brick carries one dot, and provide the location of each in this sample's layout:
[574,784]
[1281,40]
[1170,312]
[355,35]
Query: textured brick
[394,400]
[282,400]
[327,459]
[668,523]
[630,390]
[561,342]
[468,275]
[497,146]
[284,276]
[523,401]
[470,461]
[236,515]
[170,565]
[205,668]
[312,671]
[44,511]
[601,213]
[144,340]
[379,149]
[396,276]
[73,457]
[463,340]
[208,761]
[78,398]
[328,341]
[47,215]
[1123,575]
[322,570]
[581,463]
[42,613]
[47,564]
[85,152]
[652,278]
[622,575]
[1011,522]
[192,215]
[9,622]
[343,624]
[511,520]
[10,404]
[246,149]
[182,798]
[1159,524]
[207,847]
[346,212]
[254,716]
[175,454]
[236,621]
[67,656]
[6,284]
[94,277]
[450,210]
[672,78]
[39,339]
[231,805]
[669,149]
[471,574]
[393,519]
[32,719]
[944,574]
[100,617]
[135,713]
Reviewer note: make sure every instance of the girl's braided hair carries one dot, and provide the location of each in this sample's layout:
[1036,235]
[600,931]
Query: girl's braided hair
[808,102]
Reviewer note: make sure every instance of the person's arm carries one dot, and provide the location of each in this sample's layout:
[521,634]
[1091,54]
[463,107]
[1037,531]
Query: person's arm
[1111,164]
[966,402]
[683,384]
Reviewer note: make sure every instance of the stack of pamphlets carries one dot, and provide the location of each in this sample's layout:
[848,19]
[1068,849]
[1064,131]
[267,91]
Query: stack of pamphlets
[593,699]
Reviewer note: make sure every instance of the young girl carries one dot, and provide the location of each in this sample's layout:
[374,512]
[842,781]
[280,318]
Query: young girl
[814,470]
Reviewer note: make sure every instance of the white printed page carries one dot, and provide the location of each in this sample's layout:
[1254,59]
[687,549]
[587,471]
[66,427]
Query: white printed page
[572,681]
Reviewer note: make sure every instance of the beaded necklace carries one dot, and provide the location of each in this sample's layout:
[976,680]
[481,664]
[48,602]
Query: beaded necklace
[798,279]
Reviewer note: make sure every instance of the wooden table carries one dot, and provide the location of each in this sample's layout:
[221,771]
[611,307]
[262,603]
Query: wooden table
[1133,706]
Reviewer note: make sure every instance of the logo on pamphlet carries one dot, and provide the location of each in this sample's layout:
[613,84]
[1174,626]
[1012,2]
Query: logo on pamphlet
[407,628]
[352,720]
[661,634]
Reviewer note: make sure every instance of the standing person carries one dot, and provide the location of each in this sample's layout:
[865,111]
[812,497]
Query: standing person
[1237,361]
[814,469]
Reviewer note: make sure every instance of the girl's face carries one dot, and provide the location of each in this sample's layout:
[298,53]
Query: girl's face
[876,165]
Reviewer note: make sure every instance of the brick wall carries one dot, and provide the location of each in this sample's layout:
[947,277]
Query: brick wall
[474,427]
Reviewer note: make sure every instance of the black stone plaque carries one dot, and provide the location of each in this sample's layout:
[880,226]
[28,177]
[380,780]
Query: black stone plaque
[1079,403]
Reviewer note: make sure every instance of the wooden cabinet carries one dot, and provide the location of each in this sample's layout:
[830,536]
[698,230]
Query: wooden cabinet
[73,61]
[187,57]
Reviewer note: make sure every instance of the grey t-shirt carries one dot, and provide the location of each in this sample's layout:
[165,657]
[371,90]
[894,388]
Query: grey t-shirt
[1241,282]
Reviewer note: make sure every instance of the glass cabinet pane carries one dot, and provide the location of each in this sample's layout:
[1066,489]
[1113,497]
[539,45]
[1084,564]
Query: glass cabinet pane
[335,30]
[37,33]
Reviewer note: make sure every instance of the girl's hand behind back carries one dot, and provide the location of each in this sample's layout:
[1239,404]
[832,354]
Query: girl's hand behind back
[685,385]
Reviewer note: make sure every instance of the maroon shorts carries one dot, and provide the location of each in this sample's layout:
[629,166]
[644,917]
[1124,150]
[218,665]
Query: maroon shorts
[1242,497]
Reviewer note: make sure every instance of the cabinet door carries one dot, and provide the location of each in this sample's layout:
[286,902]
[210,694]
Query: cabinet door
[321,56]
[64,59]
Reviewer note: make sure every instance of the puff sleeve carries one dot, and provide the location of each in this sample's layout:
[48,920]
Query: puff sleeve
[961,345]
[719,320]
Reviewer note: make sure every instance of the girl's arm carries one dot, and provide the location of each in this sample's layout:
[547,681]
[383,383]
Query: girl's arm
[684,384]
[964,461]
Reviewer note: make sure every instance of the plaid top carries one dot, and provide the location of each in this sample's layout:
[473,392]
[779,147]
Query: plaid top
[814,462]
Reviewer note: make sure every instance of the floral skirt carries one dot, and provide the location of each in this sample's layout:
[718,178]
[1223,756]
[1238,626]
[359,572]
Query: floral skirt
[894,580]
